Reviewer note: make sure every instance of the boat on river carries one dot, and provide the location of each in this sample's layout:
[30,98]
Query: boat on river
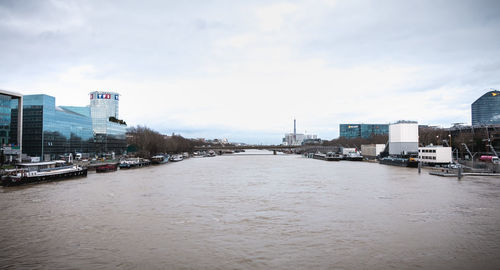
[399,161]
[160,159]
[107,167]
[26,173]
[353,156]
[177,158]
[331,156]
[319,155]
[211,153]
[134,163]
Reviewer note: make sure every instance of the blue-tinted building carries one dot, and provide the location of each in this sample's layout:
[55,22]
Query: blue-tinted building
[5,117]
[486,109]
[10,146]
[51,131]
[366,131]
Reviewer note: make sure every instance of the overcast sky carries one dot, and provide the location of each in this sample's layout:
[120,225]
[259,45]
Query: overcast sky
[244,69]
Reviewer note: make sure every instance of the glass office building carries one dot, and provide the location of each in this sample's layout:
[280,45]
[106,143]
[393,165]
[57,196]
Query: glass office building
[366,131]
[108,129]
[5,117]
[10,146]
[486,109]
[51,131]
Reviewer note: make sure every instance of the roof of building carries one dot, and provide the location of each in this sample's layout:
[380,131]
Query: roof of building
[10,93]
[491,93]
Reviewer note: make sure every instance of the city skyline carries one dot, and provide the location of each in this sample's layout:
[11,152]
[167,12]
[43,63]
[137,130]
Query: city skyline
[198,70]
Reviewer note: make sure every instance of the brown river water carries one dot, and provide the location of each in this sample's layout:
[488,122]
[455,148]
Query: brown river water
[253,212]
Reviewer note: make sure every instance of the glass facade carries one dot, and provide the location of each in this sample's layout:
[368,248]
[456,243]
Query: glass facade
[5,117]
[486,109]
[50,131]
[109,132]
[365,131]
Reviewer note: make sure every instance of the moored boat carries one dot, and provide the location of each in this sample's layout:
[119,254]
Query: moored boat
[134,163]
[353,156]
[26,173]
[160,159]
[109,167]
[211,153]
[331,156]
[319,155]
[399,161]
[177,158]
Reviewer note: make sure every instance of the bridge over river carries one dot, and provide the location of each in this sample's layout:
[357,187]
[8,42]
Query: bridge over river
[276,148]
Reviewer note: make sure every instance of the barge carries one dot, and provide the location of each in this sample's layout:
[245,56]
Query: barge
[331,156]
[27,173]
[177,158]
[400,161]
[134,163]
[354,156]
[109,167]
[160,159]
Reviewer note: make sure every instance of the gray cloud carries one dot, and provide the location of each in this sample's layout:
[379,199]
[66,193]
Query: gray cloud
[447,46]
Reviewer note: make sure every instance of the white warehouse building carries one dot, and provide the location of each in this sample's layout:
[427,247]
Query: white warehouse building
[435,155]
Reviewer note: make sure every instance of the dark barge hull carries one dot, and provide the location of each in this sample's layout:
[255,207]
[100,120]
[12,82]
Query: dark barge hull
[130,166]
[107,168]
[8,181]
[320,157]
[399,162]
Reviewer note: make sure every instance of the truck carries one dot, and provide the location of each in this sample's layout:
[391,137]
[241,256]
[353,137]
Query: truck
[491,159]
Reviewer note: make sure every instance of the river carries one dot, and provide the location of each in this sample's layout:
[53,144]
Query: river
[253,212]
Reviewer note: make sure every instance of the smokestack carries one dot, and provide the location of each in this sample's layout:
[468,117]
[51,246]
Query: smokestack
[294,129]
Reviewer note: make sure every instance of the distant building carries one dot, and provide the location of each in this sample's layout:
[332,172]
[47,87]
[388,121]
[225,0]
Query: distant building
[372,151]
[365,131]
[403,138]
[11,147]
[293,139]
[486,109]
[299,138]
[50,131]
[109,130]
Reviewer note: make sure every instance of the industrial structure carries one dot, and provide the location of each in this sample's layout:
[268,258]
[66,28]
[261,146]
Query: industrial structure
[365,131]
[372,151]
[299,138]
[403,138]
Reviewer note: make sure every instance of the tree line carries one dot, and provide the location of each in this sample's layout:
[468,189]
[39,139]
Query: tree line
[145,142]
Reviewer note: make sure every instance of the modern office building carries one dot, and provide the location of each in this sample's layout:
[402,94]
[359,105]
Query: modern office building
[365,131]
[486,109]
[51,131]
[11,147]
[403,138]
[109,130]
